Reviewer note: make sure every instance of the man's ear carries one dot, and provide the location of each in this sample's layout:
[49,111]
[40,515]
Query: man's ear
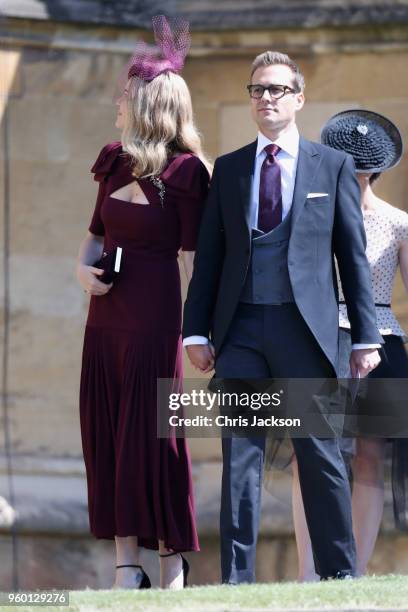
[300,100]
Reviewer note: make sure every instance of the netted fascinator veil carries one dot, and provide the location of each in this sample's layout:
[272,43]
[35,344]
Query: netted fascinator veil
[172,43]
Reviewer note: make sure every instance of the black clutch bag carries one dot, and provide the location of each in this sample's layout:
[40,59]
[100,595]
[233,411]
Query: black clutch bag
[110,264]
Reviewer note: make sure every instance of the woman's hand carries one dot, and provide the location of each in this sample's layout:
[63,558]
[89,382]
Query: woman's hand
[87,277]
[90,251]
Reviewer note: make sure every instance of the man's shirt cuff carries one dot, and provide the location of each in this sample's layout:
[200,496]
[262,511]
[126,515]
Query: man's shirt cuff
[195,340]
[365,346]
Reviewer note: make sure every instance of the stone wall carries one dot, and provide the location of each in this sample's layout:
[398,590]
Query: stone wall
[59,114]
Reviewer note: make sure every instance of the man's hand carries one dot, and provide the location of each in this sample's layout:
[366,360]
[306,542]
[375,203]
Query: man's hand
[362,361]
[201,356]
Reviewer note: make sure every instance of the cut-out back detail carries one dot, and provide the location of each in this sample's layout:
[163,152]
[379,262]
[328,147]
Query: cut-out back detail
[131,193]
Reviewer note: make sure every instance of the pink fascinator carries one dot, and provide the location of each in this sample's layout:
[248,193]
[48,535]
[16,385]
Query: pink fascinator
[173,41]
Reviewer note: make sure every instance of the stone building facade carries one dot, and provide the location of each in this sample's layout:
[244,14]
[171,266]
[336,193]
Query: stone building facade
[58,67]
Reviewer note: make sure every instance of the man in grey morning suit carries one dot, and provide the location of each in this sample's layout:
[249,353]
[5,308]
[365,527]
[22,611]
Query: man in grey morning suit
[264,290]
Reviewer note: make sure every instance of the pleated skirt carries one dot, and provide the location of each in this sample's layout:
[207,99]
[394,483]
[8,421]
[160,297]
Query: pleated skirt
[138,484]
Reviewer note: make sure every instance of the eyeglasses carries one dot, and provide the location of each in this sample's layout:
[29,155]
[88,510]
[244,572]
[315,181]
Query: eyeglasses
[275,91]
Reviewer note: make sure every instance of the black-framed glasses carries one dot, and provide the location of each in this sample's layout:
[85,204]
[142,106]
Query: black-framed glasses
[275,91]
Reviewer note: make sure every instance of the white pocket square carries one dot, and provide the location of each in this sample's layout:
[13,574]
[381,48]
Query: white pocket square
[317,195]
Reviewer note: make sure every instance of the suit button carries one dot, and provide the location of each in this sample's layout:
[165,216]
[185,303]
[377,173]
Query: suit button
[256,298]
[258,271]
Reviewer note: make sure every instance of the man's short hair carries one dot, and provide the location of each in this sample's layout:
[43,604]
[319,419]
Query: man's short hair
[273,58]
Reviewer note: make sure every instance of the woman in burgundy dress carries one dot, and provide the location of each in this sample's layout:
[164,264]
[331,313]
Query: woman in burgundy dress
[152,187]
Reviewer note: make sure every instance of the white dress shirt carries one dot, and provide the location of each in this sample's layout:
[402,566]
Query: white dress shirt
[287,158]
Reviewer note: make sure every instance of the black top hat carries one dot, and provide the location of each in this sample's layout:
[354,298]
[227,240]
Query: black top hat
[373,140]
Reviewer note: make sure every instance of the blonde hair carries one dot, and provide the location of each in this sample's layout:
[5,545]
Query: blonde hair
[159,123]
[275,58]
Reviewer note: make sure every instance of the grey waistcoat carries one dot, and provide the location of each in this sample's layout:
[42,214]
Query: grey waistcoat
[267,280]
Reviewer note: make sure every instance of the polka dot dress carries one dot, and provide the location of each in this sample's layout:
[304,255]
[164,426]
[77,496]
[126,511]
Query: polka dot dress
[386,228]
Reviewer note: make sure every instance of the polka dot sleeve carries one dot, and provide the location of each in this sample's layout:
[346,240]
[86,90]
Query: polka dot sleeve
[402,228]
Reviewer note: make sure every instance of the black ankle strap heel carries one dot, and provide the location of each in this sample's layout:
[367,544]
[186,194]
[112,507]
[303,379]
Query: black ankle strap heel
[145,582]
[186,566]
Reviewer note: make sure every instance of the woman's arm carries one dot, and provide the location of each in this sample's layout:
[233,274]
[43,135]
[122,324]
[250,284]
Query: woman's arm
[188,263]
[403,262]
[90,251]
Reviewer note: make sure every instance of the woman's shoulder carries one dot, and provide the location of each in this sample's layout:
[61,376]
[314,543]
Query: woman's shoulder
[106,159]
[395,217]
[185,171]
[400,223]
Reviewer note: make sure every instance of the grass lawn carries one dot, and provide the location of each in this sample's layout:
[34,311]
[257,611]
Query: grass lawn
[384,592]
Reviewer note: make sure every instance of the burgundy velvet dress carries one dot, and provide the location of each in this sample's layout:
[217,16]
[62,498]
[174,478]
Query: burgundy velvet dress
[139,485]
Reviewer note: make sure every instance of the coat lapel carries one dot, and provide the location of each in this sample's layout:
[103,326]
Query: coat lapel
[246,177]
[308,163]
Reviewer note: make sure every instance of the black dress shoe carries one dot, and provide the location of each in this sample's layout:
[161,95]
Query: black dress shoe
[186,566]
[341,575]
[145,582]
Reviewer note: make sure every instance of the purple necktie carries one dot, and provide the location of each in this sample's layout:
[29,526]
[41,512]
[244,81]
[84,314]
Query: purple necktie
[270,191]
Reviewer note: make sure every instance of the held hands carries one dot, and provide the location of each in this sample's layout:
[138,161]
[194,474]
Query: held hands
[87,277]
[201,356]
[362,361]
